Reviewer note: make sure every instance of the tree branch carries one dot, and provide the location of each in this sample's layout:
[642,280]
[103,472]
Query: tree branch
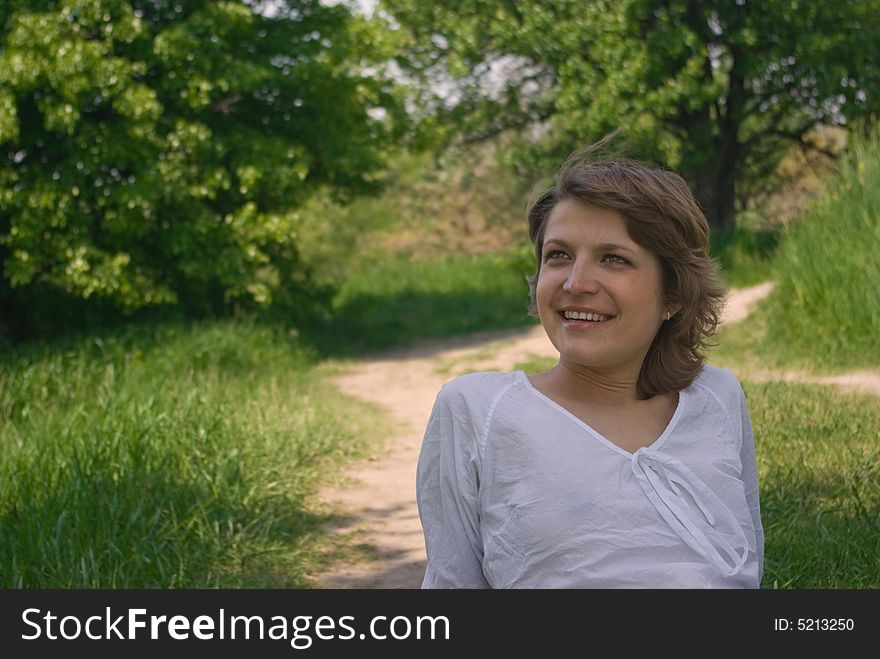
[501,126]
[224,105]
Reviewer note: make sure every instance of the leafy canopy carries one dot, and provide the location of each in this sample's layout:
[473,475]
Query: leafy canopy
[716,89]
[157,152]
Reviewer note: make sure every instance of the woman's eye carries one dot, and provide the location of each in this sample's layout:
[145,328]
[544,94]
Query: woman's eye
[549,255]
[615,258]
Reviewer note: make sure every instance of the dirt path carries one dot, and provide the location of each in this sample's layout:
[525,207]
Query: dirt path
[379,502]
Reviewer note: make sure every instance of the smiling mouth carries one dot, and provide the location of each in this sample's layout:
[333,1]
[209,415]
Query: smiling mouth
[584,318]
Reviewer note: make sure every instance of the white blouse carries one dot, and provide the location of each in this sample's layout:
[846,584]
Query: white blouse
[515,491]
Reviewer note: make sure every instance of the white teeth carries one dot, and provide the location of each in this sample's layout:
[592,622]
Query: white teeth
[575,315]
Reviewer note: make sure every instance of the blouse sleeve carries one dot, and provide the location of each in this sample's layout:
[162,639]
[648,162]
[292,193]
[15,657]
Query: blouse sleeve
[750,480]
[447,495]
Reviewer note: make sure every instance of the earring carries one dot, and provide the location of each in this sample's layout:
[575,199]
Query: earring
[667,315]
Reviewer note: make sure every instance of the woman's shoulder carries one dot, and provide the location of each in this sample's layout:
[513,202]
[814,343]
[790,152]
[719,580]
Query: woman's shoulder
[479,387]
[717,377]
[722,383]
[482,381]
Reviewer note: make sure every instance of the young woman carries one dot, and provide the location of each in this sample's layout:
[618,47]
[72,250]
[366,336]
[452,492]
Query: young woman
[629,464]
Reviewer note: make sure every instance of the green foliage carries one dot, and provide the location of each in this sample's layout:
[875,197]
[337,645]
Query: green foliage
[826,305]
[168,456]
[157,153]
[393,301]
[715,90]
[464,201]
[745,254]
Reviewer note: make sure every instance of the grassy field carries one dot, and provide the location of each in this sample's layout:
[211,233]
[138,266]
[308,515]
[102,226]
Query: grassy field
[183,455]
[174,455]
[169,457]
[819,467]
[395,300]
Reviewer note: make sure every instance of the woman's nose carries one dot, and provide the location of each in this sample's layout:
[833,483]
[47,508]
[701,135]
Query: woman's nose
[582,278]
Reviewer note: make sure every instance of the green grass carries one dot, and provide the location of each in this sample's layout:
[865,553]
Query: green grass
[826,305]
[184,455]
[395,301]
[818,453]
[745,255]
[746,348]
[743,347]
[168,457]
[819,472]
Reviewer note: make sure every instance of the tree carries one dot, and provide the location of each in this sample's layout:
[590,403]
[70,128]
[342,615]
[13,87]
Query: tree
[155,152]
[716,89]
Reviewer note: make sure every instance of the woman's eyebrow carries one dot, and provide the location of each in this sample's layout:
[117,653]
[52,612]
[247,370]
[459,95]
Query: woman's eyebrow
[557,241]
[616,246]
[602,247]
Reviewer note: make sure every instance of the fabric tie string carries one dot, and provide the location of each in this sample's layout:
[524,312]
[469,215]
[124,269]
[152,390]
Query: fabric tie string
[663,479]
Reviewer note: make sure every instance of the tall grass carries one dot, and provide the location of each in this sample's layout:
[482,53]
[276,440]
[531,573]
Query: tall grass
[745,254]
[173,455]
[826,305]
[167,457]
[395,300]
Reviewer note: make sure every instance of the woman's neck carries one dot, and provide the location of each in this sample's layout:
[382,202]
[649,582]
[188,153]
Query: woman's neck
[576,382]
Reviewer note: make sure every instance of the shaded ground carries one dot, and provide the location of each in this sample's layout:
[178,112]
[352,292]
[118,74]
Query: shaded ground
[377,504]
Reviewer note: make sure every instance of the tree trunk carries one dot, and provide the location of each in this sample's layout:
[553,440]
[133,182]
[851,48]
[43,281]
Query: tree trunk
[715,185]
[9,313]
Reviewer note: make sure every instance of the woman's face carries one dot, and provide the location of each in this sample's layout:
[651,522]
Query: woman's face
[589,263]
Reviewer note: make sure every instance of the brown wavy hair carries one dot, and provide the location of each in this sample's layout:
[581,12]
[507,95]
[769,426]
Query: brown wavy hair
[661,215]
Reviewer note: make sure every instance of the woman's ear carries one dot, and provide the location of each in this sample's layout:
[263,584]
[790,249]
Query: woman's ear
[671,308]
